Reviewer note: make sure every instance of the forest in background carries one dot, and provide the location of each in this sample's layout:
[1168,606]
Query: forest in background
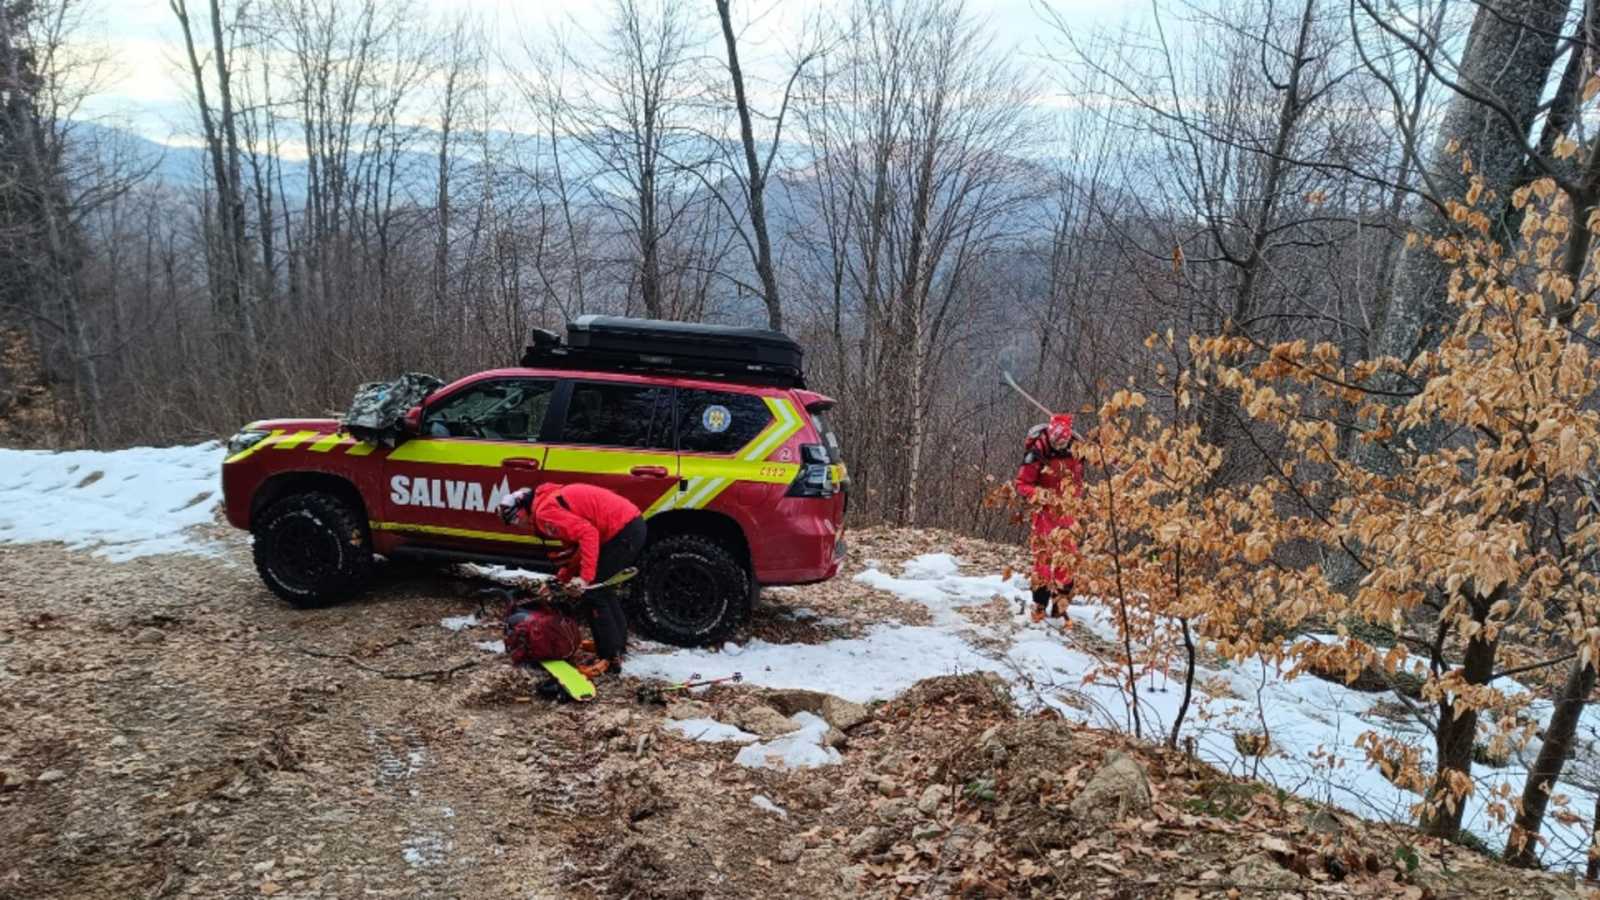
[382,188]
[1320,277]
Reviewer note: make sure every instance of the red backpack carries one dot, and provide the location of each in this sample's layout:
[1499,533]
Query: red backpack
[539,634]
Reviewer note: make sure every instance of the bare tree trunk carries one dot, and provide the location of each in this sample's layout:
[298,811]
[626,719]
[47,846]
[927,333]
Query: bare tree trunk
[1523,847]
[755,178]
[62,269]
[222,144]
[1504,69]
[1458,730]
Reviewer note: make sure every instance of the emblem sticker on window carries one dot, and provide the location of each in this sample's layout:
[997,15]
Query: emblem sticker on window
[716,419]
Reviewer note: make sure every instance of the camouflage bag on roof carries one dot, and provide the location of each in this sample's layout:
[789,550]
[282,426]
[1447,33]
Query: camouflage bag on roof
[379,406]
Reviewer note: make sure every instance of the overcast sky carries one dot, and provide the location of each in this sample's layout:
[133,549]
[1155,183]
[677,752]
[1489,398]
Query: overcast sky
[147,90]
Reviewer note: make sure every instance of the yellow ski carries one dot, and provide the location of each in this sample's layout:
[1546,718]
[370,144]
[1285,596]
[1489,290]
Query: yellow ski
[571,680]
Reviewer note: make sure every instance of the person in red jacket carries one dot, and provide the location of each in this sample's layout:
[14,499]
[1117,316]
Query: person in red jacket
[599,533]
[1049,464]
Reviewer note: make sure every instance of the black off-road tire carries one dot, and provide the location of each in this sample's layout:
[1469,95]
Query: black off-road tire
[691,591]
[312,549]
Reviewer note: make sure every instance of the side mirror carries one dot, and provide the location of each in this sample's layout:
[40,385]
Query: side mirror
[411,423]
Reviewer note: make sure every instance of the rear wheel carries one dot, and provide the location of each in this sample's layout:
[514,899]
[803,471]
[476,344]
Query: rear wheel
[312,548]
[692,591]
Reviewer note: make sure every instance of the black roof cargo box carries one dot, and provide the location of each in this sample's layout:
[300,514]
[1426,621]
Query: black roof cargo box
[613,343]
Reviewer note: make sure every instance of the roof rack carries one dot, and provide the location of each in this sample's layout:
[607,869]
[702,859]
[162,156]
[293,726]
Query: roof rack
[654,346]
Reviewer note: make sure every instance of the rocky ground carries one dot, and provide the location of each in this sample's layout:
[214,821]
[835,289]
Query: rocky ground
[169,729]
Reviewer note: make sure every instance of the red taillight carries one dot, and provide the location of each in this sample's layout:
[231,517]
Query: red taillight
[816,474]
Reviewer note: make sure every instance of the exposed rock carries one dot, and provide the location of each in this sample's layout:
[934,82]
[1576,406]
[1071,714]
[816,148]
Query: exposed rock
[895,810]
[689,709]
[867,841]
[10,779]
[50,776]
[790,850]
[837,711]
[608,724]
[764,721]
[1263,872]
[149,636]
[1118,790]
[843,714]
[835,739]
[887,786]
[932,798]
[1320,821]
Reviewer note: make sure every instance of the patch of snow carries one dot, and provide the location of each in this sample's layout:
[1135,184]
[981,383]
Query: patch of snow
[932,566]
[802,749]
[458,623]
[711,731]
[122,504]
[876,666]
[761,802]
[424,851]
[935,581]
[506,575]
[803,614]
[491,646]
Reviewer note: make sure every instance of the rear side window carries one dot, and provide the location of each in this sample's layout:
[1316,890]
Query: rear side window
[719,421]
[830,438]
[635,416]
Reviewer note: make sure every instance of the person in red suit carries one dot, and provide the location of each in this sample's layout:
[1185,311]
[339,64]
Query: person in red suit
[1049,464]
[599,534]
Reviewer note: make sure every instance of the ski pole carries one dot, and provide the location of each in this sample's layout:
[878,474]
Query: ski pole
[654,693]
[1010,382]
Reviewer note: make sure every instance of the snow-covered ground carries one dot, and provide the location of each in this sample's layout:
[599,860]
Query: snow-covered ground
[130,503]
[1312,725]
[121,504]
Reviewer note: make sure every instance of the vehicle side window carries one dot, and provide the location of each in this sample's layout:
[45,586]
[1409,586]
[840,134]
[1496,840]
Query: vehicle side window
[510,410]
[635,416]
[719,421]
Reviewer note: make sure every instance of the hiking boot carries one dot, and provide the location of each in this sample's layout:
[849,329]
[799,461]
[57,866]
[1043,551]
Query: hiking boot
[593,670]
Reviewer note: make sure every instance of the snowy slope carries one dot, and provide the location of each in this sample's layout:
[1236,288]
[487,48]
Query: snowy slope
[121,504]
[1312,724]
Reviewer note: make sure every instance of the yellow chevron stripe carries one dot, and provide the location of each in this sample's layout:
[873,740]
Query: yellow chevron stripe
[412,528]
[749,466]
[294,440]
[709,476]
[488,454]
[329,442]
[274,435]
[605,462]
[739,470]
[361,448]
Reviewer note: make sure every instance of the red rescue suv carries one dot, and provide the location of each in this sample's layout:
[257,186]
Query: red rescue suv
[709,430]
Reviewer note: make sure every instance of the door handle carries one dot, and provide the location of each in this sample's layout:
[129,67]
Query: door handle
[521,462]
[649,471]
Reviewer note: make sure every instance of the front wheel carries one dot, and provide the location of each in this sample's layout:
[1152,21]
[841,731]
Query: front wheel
[312,548]
[691,592]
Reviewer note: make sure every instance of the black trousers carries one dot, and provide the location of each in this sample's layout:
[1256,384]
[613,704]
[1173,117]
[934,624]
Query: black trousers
[1042,595]
[606,619]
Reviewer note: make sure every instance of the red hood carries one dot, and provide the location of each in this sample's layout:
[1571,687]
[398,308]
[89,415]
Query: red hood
[326,426]
[543,493]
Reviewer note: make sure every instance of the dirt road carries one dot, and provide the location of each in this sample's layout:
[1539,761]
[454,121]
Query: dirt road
[168,728]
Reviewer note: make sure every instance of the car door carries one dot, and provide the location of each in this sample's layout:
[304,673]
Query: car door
[477,443]
[617,435]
